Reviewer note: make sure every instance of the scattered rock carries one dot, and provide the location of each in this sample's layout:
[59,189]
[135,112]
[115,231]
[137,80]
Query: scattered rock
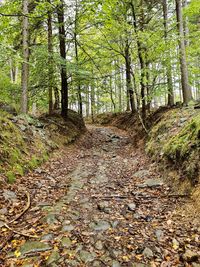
[159,234]
[47,237]
[33,246]
[114,224]
[86,256]
[116,264]
[99,245]
[101,226]
[131,206]
[66,242]
[151,183]
[104,207]
[67,228]
[148,253]
[190,256]
[51,218]
[2,224]
[9,195]
[141,174]
[3,211]
[54,257]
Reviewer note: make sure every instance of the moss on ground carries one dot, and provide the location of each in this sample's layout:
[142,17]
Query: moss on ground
[25,142]
[175,141]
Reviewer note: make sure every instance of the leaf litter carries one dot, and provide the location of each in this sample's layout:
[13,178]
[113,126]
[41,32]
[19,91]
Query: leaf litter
[98,202]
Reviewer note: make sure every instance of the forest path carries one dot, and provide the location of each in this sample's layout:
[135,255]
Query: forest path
[100,202]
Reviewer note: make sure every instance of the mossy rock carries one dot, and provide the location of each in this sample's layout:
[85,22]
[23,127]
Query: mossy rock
[10,177]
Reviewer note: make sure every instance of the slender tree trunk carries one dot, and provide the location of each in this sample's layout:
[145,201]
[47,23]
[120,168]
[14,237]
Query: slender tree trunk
[141,60]
[128,78]
[186,89]
[50,60]
[57,98]
[113,106]
[168,61]
[64,83]
[92,101]
[25,64]
[80,104]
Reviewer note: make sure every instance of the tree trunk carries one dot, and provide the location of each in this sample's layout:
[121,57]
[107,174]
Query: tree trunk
[64,83]
[168,61]
[80,103]
[50,60]
[57,98]
[128,78]
[141,60]
[187,93]
[25,64]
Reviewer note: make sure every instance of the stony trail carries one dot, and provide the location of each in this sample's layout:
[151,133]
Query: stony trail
[101,202]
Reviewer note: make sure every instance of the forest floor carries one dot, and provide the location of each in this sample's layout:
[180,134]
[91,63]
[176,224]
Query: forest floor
[97,202]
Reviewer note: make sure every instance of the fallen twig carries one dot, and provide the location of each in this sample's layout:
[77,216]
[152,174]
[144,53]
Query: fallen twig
[19,233]
[26,208]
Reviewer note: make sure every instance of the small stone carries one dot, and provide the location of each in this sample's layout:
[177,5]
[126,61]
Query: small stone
[141,174]
[190,256]
[159,235]
[67,228]
[116,264]
[136,216]
[101,226]
[51,218]
[47,237]
[153,182]
[148,253]
[66,242]
[54,257]
[3,211]
[33,246]
[99,245]
[9,195]
[2,224]
[131,206]
[86,256]
[114,224]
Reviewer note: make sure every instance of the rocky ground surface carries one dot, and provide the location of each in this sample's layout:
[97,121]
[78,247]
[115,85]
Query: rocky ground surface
[98,202]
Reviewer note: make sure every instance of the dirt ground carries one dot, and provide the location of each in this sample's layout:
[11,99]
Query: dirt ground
[97,202]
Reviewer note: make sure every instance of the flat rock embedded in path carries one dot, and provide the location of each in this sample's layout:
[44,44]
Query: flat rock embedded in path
[101,226]
[151,183]
[53,258]
[9,195]
[34,246]
[86,256]
[141,174]
[148,253]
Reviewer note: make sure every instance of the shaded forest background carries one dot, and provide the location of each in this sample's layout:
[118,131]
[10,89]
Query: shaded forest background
[99,56]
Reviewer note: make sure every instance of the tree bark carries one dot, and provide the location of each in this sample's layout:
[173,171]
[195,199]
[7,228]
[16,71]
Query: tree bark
[64,83]
[168,61]
[25,64]
[186,89]
[141,60]
[80,102]
[128,78]
[50,60]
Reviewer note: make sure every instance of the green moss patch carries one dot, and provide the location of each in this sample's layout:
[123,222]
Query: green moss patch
[175,141]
